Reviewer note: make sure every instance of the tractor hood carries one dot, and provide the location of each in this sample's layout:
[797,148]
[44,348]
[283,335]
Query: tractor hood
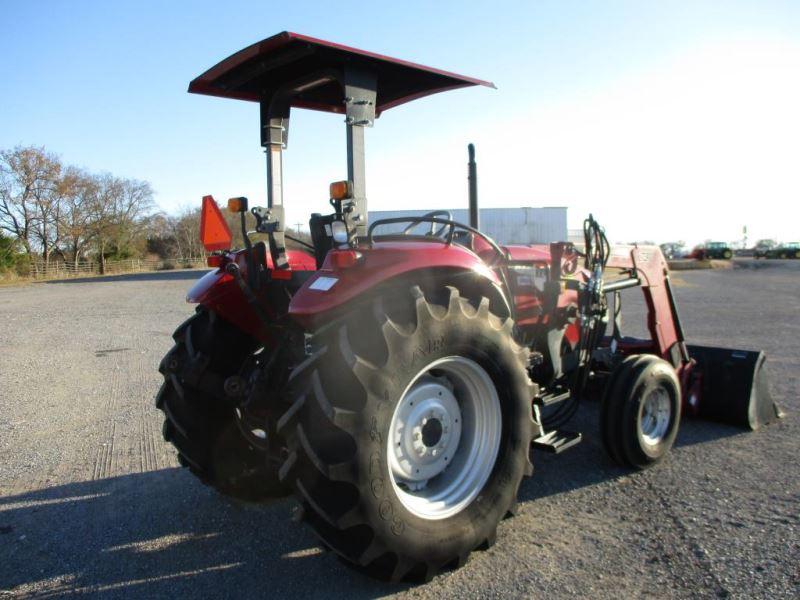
[259,70]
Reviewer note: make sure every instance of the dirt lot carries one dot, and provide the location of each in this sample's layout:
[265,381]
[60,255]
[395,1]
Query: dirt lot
[92,500]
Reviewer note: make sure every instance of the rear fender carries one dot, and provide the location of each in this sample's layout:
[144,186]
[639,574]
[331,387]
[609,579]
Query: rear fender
[219,292]
[385,267]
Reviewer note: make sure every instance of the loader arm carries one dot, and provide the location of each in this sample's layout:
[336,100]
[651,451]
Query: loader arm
[647,268]
[720,384]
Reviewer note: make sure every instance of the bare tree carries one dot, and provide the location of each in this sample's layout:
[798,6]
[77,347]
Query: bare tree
[117,214]
[28,197]
[47,201]
[161,240]
[187,234]
[50,209]
[78,191]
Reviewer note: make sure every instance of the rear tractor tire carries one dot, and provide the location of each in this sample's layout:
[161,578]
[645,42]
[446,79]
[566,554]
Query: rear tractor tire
[200,420]
[640,411]
[409,433]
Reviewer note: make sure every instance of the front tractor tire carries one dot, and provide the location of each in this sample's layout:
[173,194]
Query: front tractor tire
[409,432]
[640,411]
[201,422]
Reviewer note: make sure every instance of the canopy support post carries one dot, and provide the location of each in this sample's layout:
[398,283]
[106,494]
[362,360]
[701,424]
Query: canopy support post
[274,138]
[360,91]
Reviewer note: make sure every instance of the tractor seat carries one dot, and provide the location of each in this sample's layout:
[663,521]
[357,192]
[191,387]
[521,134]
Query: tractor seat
[464,238]
[475,243]
[300,272]
[321,236]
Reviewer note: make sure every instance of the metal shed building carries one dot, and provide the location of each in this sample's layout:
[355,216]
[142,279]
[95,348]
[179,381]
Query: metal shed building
[523,225]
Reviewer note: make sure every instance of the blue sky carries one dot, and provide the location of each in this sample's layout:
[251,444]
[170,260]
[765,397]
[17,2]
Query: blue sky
[668,120]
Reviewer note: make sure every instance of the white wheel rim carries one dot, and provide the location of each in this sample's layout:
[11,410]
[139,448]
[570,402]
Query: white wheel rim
[655,417]
[444,438]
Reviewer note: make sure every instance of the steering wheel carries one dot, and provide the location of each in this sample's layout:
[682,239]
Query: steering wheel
[433,213]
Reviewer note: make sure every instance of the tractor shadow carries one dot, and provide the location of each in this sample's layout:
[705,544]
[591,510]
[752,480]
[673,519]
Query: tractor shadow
[588,463]
[162,534]
[178,275]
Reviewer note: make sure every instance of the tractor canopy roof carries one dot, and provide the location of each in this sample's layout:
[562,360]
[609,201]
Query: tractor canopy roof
[259,70]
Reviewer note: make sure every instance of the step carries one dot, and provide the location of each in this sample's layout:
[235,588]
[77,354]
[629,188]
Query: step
[553,398]
[557,441]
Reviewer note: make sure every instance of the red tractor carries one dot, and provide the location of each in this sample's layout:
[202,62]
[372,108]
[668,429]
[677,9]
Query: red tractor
[394,376]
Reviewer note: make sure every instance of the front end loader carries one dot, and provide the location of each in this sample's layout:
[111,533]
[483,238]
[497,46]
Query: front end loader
[395,376]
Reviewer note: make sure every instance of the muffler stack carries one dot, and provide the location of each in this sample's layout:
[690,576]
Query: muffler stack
[734,387]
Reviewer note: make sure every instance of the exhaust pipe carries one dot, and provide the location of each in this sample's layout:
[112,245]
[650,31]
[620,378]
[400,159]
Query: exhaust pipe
[474,219]
[734,387]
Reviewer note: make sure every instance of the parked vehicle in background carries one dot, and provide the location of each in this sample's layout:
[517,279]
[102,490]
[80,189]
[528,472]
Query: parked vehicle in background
[762,248]
[672,250]
[718,250]
[786,250]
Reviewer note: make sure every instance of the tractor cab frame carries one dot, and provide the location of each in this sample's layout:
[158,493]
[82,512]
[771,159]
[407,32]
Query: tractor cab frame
[289,70]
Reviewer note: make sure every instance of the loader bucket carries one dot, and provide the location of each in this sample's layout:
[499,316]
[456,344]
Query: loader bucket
[734,387]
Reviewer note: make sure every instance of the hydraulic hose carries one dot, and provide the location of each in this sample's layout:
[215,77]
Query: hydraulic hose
[592,305]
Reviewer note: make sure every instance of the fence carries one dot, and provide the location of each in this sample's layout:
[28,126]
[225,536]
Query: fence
[60,270]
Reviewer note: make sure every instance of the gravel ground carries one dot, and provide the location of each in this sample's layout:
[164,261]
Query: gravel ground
[92,500]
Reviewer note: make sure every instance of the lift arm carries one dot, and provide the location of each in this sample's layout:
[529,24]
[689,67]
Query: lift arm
[648,269]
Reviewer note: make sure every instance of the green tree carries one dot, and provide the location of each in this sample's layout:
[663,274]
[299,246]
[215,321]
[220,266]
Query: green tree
[9,253]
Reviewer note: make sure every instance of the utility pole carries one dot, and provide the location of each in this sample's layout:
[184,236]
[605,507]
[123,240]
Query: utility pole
[299,225]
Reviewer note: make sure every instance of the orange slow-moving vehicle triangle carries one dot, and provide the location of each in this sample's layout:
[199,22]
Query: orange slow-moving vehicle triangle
[214,231]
